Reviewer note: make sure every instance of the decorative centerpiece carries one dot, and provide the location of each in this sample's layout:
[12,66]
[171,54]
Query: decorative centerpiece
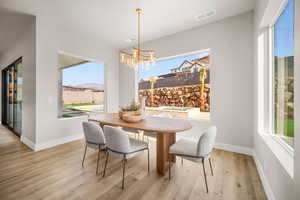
[131,113]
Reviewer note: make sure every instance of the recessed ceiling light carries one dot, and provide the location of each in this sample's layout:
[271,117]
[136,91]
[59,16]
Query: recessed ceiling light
[206,14]
[130,40]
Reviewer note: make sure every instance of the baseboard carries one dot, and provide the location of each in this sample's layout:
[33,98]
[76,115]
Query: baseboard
[52,143]
[263,178]
[234,148]
[28,142]
[250,152]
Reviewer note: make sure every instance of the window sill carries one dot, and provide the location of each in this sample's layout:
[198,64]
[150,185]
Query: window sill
[284,155]
[75,117]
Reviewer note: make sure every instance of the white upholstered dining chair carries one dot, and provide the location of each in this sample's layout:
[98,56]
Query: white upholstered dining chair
[136,132]
[196,150]
[94,138]
[120,145]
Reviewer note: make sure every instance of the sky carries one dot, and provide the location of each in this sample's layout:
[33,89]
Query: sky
[85,73]
[284,32]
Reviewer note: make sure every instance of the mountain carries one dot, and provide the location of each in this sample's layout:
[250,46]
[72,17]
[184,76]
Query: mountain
[96,86]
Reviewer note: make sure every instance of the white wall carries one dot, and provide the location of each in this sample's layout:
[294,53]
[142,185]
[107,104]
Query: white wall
[51,130]
[277,164]
[24,47]
[127,85]
[41,105]
[231,45]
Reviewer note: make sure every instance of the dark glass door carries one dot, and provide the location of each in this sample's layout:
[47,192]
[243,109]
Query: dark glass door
[12,96]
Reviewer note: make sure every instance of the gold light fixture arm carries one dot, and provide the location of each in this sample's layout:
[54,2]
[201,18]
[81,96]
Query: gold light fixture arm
[138,55]
[139,12]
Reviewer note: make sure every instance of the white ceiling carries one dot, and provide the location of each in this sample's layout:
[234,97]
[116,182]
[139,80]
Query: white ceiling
[114,21]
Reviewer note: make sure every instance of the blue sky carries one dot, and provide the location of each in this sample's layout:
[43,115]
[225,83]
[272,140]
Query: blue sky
[84,73]
[284,32]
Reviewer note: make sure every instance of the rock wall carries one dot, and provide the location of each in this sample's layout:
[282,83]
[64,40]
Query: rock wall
[184,96]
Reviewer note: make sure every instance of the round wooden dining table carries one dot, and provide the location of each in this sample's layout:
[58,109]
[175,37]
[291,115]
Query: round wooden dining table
[165,129]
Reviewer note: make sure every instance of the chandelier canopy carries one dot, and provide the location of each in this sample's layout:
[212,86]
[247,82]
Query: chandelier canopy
[138,56]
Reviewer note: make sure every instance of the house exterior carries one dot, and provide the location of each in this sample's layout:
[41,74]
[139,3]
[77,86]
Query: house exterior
[192,66]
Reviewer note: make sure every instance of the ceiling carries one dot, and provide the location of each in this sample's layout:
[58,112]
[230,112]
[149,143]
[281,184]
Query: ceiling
[114,21]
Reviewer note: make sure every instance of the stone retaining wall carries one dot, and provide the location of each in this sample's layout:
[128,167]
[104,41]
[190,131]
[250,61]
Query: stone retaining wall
[183,96]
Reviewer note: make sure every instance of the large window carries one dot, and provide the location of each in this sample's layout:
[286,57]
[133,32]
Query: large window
[283,75]
[81,87]
[177,87]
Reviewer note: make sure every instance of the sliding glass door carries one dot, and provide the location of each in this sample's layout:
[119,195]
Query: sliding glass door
[12,96]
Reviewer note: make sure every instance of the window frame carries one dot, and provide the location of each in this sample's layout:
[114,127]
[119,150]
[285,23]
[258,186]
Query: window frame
[271,93]
[60,83]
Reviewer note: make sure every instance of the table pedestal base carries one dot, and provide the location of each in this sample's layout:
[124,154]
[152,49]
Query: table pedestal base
[163,142]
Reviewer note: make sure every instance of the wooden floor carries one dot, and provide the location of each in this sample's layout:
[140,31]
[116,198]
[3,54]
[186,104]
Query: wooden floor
[56,173]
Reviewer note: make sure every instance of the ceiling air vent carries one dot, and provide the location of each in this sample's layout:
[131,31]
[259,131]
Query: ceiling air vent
[205,15]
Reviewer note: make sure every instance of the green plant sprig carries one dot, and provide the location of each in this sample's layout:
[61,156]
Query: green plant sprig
[134,106]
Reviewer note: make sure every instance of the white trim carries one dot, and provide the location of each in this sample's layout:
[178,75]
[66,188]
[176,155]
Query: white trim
[80,57]
[285,158]
[271,88]
[55,142]
[263,178]
[75,117]
[250,152]
[279,12]
[89,60]
[284,145]
[234,148]
[28,142]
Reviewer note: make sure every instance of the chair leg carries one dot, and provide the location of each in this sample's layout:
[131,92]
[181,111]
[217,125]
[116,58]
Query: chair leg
[106,160]
[124,166]
[211,169]
[205,176]
[169,167]
[84,155]
[182,161]
[148,160]
[98,161]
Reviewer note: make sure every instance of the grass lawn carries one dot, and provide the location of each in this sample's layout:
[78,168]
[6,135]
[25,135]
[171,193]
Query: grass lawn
[289,127]
[66,116]
[80,104]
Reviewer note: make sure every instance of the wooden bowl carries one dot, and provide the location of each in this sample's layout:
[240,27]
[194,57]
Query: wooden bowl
[133,118]
[122,113]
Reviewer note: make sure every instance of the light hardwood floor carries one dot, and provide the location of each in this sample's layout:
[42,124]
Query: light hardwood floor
[56,173]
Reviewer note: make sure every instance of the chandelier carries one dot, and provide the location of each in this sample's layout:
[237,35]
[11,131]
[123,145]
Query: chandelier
[138,57]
